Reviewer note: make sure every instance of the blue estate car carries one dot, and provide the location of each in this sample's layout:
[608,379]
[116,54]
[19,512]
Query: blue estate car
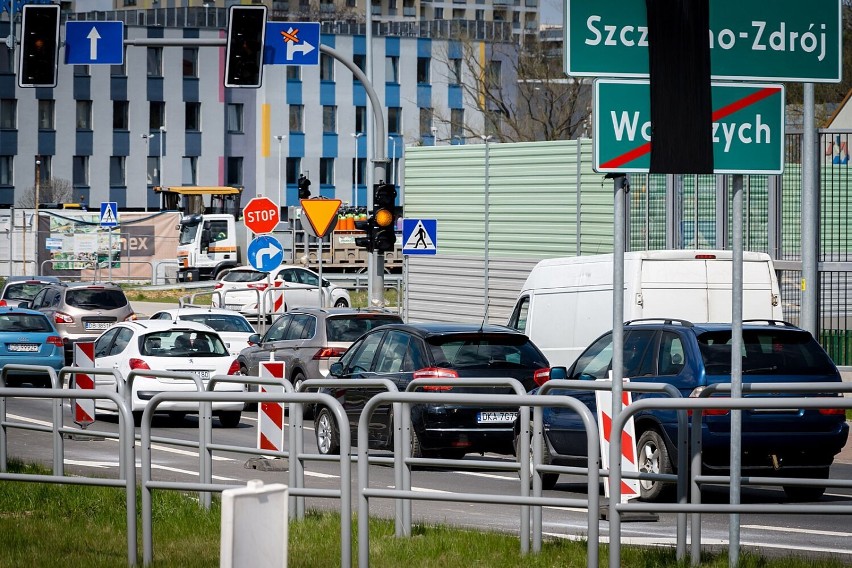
[780,442]
[28,337]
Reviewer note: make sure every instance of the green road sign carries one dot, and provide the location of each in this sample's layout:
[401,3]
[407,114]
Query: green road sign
[785,40]
[748,127]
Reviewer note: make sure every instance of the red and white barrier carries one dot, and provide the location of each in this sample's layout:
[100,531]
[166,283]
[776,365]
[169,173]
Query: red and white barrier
[629,487]
[278,297]
[84,356]
[270,417]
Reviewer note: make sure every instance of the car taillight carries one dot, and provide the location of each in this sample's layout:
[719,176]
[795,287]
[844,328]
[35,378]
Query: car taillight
[328,352]
[138,364]
[60,317]
[234,369]
[261,287]
[541,376]
[3,303]
[131,317]
[55,340]
[705,256]
[436,373]
[218,285]
[832,411]
[707,411]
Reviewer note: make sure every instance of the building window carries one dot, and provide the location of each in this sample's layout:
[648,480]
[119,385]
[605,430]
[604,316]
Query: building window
[8,113]
[392,69]
[423,69]
[297,113]
[157,117]
[45,167]
[6,171]
[360,119]
[120,115]
[294,168]
[152,168]
[457,124]
[189,173]
[394,120]
[360,61]
[84,115]
[235,118]
[326,175]
[294,73]
[193,117]
[439,13]
[45,114]
[190,62]
[81,170]
[118,70]
[479,15]
[359,170]
[235,171]
[117,175]
[326,67]
[494,74]
[425,122]
[82,71]
[329,119]
[155,61]
[455,71]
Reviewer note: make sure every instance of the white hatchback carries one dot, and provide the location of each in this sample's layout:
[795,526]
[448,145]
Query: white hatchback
[243,288]
[233,328]
[185,347]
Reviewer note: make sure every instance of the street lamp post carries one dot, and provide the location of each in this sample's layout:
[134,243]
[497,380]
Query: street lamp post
[356,136]
[162,155]
[280,138]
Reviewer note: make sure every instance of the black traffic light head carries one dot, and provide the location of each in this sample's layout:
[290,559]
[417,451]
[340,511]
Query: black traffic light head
[304,187]
[365,242]
[384,215]
[244,53]
[384,197]
[39,46]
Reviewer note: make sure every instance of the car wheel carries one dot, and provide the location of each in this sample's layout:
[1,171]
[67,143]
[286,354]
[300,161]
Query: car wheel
[416,448]
[341,303]
[307,409]
[230,419]
[801,493]
[654,458]
[548,480]
[328,440]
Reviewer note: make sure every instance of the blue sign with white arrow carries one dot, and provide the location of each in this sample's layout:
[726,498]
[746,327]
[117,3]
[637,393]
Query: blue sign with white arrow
[94,43]
[265,253]
[292,43]
[109,214]
[419,236]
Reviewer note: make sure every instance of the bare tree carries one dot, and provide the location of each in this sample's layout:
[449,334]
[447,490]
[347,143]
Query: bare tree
[54,190]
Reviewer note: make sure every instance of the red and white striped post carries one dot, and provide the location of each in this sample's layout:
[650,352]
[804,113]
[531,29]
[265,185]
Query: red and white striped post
[629,487]
[84,357]
[278,297]
[270,417]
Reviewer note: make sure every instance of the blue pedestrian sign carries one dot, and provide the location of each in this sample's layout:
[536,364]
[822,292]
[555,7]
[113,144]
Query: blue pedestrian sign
[292,43]
[265,253]
[94,43]
[419,236]
[109,214]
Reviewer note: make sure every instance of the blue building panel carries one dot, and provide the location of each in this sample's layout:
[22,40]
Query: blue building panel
[9,142]
[155,89]
[297,144]
[84,142]
[120,143]
[392,94]
[424,47]
[294,92]
[455,96]
[47,142]
[454,50]
[190,90]
[156,31]
[359,94]
[44,93]
[7,86]
[329,145]
[392,46]
[192,144]
[119,195]
[118,88]
[7,196]
[424,96]
[82,88]
[191,33]
[327,93]
[359,45]
[328,39]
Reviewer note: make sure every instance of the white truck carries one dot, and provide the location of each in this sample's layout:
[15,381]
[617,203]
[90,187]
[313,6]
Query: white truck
[566,303]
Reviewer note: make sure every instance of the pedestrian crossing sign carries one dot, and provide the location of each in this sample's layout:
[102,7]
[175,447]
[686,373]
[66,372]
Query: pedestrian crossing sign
[419,236]
[109,214]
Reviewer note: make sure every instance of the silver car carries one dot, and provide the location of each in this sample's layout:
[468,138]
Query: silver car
[309,340]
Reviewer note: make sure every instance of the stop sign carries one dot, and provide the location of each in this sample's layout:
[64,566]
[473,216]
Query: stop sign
[261,215]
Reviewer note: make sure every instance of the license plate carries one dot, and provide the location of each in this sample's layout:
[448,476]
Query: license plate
[97,325]
[23,347]
[236,307]
[204,375]
[496,417]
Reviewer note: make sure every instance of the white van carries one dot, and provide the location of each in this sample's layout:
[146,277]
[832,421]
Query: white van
[566,303]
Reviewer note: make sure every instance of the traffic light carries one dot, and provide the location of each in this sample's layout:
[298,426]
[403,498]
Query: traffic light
[39,46]
[244,53]
[384,217]
[304,187]
[367,226]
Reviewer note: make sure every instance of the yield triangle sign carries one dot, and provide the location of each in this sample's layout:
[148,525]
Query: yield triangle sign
[321,215]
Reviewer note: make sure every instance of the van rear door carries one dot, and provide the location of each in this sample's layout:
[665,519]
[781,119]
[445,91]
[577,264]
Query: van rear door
[676,289]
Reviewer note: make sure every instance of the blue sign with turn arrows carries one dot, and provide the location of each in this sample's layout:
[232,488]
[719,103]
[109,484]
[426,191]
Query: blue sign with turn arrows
[265,253]
[292,43]
[94,43]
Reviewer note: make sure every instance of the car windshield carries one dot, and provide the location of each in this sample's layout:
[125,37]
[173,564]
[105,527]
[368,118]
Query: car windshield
[221,322]
[766,352]
[182,343]
[350,327]
[485,351]
[35,323]
[188,231]
[96,298]
[244,276]
[22,290]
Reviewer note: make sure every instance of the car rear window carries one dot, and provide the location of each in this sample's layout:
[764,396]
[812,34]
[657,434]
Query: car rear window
[244,276]
[87,298]
[22,290]
[766,352]
[24,322]
[349,328]
[485,351]
[221,322]
[182,343]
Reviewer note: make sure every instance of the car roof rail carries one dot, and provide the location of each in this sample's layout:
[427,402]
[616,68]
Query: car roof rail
[780,323]
[666,321]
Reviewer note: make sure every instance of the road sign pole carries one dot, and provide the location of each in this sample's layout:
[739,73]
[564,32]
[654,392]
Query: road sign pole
[109,254]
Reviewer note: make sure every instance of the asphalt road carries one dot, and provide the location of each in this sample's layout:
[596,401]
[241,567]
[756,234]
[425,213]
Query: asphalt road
[820,535]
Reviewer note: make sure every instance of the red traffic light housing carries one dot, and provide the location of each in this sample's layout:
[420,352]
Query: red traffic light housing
[244,52]
[39,46]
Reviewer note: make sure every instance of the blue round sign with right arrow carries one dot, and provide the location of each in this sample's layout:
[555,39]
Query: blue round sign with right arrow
[265,253]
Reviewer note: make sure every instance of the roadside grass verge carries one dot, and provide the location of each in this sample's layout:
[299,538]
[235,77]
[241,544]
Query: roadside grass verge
[81,526]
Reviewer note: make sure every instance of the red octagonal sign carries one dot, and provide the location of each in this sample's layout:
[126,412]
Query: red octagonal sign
[261,215]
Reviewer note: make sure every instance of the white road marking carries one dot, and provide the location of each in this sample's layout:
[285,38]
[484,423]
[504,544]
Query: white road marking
[31,420]
[320,475]
[489,475]
[796,530]
[91,463]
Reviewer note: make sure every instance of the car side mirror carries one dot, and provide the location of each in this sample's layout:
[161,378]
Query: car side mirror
[336,369]
[558,373]
[254,339]
[325,283]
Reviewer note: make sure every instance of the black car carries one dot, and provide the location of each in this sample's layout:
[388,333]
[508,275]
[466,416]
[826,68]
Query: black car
[403,352]
[778,442]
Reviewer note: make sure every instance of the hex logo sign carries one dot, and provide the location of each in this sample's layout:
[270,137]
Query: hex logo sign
[261,215]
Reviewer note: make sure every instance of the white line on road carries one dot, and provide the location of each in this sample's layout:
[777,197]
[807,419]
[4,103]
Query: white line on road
[489,475]
[796,530]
